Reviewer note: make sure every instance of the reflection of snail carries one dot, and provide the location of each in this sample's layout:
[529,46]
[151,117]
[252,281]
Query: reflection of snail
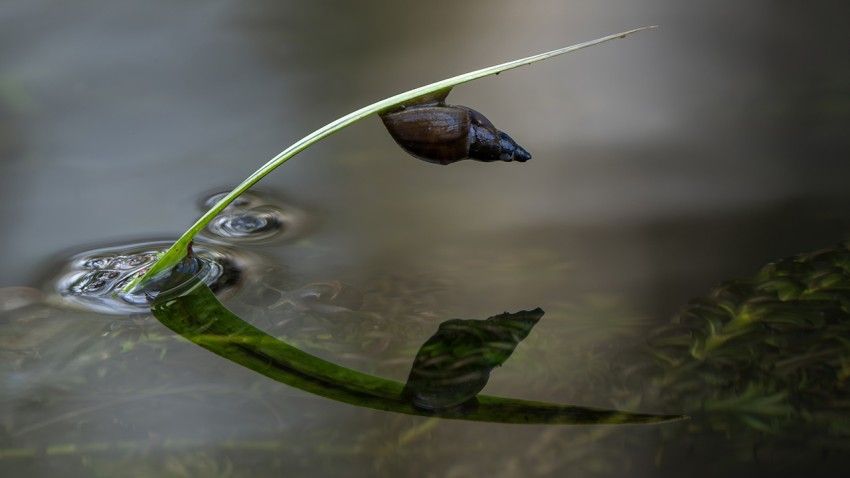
[433,131]
[455,363]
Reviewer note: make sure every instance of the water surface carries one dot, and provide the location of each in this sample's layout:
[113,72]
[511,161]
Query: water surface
[663,165]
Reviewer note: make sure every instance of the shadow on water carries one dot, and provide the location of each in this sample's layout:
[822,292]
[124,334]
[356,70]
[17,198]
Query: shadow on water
[449,371]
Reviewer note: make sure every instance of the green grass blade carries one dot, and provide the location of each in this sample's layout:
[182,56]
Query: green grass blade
[178,250]
[194,312]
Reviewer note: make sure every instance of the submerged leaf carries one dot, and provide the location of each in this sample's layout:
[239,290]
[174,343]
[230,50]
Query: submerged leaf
[769,349]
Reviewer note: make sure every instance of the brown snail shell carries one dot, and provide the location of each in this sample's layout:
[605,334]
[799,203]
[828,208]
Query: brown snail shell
[433,131]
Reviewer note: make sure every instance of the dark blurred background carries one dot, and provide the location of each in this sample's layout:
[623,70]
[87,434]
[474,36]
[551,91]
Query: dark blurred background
[663,163]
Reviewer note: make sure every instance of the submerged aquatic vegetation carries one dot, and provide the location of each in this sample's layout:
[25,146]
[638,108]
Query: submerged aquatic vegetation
[178,250]
[770,351]
[760,365]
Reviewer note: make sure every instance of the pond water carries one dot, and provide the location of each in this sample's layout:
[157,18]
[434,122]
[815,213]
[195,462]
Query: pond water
[664,165]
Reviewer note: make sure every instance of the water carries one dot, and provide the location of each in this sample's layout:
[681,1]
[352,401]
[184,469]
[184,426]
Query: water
[663,165]
[254,218]
[94,280]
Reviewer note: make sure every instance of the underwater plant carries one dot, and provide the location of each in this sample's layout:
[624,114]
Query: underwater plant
[767,353]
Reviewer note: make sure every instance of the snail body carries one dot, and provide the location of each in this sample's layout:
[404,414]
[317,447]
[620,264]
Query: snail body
[433,131]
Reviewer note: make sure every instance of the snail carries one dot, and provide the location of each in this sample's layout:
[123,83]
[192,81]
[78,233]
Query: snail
[433,131]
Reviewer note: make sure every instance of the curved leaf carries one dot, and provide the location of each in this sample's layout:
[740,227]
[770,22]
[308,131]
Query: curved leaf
[178,250]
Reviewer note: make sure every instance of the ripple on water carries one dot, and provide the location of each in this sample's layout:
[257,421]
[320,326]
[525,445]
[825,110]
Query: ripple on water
[253,218]
[93,280]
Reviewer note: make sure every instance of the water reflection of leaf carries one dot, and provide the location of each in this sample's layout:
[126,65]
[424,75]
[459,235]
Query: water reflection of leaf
[196,314]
